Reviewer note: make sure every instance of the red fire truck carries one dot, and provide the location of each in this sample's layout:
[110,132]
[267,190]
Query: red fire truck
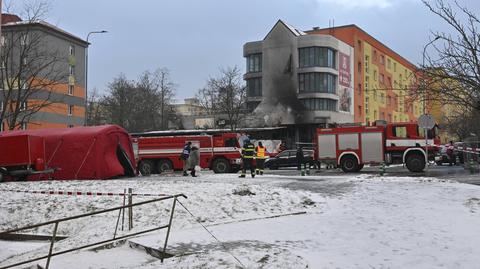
[352,147]
[219,152]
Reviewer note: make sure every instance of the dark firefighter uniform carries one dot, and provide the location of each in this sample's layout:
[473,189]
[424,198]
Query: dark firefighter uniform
[261,153]
[248,152]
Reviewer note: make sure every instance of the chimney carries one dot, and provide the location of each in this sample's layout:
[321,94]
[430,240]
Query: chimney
[6,18]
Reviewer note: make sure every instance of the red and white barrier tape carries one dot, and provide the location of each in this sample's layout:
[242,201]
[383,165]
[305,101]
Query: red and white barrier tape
[85,193]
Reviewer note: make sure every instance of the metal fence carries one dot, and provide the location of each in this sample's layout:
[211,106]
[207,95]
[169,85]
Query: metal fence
[129,206]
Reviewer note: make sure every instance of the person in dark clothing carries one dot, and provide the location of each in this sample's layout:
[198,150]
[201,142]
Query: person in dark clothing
[299,158]
[248,152]
[451,157]
[185,155]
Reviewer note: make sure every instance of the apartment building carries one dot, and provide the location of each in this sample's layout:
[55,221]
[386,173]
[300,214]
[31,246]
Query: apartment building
[299,80]
[64,55]
[382,77]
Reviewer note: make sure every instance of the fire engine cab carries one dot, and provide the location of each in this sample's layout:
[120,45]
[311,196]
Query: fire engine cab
[351,147]
[219,152]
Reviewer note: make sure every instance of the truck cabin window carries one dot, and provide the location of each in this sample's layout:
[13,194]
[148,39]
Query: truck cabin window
[231,142]
[399,131]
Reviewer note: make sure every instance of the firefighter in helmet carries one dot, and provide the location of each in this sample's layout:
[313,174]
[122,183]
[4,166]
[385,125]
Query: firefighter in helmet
[261,155]
[248,152]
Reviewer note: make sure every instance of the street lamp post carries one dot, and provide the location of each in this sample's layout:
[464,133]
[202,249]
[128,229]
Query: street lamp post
[425,97]
[86,72]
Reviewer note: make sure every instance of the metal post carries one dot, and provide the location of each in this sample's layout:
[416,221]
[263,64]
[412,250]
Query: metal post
[168,229]
[86,73]
[130,209]
[123,210]
[426,149]
[51,244]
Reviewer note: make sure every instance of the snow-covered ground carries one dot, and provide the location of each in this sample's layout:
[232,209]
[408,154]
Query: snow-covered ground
[359,221]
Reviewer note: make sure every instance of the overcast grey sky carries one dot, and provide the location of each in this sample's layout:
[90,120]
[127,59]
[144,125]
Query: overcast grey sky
[194,38]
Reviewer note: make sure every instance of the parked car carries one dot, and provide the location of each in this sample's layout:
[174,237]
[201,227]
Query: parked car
[288,158]
[442,156]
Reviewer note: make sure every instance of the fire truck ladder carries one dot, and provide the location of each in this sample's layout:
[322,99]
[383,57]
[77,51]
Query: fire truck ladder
[115,237]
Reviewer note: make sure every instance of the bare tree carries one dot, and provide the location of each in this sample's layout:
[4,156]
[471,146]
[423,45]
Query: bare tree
[166,89]
[142,105]
[30,70]
[95,109]
[451,73]
[225,94]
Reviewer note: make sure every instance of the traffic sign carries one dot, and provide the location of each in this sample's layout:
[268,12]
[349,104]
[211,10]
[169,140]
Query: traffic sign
[426,121]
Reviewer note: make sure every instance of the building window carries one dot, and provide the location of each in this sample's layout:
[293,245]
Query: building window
[394,67]
[317,56]
[71,50]
[24,40]
[71,89]
[317,82]
[254,87]
[24,126]
[254,63]
[360,110]
[382,59]
[382,98]
[374,55]
[70,110]
[319,104]
[71,70]
[3,41]
[359,44]
[375,75]
[359,67]
[23,106]
[382,116]
[367,60]
[382,78]
[389,63]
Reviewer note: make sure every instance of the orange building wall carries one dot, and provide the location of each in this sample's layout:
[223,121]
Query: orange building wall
[356,37]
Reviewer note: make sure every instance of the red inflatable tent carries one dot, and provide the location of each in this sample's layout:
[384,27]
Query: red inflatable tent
[98,152]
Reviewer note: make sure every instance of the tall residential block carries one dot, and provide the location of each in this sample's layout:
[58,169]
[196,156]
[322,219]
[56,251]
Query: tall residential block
[49,62]
[382,77]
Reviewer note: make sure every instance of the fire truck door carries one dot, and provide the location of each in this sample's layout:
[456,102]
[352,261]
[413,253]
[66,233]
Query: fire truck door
[372,147]
[327,147]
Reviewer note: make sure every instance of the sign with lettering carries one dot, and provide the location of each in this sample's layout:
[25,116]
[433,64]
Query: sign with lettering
[344,76]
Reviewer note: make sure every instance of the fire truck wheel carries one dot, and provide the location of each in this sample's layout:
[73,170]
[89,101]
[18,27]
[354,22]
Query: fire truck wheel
[349,164]
[221,165]
[415,163]
[164,165]
[145,167]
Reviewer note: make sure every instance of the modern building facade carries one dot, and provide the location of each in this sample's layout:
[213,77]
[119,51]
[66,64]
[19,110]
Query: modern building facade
[299,80]
[382,77]
[63,53]
[322,76]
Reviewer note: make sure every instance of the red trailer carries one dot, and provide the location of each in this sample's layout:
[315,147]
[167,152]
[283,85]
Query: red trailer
[98,152]
[354,146]
[21,156]
[219,152]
